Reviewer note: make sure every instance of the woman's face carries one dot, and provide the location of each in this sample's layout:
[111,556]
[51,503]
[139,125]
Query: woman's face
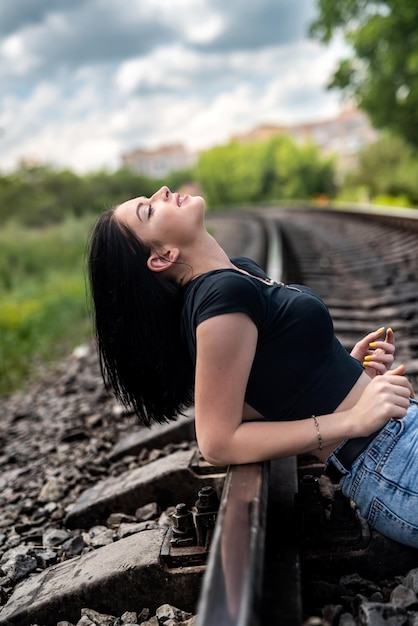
[164,219]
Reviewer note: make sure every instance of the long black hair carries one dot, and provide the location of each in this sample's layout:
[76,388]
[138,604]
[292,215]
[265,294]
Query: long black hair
[137,316]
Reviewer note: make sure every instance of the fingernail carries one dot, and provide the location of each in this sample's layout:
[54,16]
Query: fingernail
[365,364]
[368,357]
[380,330]
[373,344]
[389,330]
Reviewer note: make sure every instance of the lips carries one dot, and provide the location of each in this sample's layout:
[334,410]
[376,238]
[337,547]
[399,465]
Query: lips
[180,199]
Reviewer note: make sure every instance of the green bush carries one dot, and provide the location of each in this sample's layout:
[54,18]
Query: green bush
[386,168]
[43,302]
[270,171]
[388,200]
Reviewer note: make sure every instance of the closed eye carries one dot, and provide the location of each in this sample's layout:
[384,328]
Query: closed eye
[150,211]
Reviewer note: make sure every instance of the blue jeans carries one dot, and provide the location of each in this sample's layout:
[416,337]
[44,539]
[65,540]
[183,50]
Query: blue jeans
[383,480]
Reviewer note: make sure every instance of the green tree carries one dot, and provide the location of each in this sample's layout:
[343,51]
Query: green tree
[387,167]
[382,73]
[39,195]
[271,170]
[232,174]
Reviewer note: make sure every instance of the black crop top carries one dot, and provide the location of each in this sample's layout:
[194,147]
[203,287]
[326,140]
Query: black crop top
[300,368]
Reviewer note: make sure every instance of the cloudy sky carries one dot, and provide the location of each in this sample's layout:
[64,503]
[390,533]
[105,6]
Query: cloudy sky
[82,81]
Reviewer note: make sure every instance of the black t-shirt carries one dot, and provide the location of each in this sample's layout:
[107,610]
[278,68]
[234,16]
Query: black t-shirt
[299,368]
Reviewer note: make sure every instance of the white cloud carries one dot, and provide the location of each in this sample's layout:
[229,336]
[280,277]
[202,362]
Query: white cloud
[195,20]
[14,58]
[84,82]
[167,68]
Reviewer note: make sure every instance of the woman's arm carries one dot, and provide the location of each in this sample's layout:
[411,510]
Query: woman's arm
[226,347]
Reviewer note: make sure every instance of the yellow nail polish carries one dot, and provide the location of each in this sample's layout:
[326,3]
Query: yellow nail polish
[373,344]
[380,330]
[389,330]
[368,357]
[365,364]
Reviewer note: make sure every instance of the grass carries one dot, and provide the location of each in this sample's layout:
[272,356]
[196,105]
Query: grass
[43,301]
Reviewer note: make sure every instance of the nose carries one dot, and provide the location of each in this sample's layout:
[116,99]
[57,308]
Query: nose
[163,193]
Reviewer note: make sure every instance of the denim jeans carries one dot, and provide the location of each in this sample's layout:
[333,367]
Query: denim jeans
[383,480]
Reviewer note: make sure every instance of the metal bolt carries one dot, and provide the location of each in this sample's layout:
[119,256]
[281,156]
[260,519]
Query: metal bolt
[309,488]
[183,527]
[207,499]
[207,506]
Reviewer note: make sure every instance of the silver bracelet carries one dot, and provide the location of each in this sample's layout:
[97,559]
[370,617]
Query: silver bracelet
[318,432]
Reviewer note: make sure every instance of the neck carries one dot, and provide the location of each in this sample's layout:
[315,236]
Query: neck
[206,257]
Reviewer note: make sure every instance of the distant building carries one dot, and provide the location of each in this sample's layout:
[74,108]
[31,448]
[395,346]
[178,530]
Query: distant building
[343,136]
[158,162]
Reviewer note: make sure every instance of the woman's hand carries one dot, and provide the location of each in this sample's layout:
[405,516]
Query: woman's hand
[385,397]
[376,355]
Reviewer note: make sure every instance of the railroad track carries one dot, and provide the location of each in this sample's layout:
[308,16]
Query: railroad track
[365,268]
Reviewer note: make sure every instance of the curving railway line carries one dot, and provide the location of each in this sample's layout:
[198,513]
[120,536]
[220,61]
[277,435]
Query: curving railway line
[277,546]
[365,266]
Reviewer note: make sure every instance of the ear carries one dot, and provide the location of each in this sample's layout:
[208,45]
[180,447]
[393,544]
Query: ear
[159,262]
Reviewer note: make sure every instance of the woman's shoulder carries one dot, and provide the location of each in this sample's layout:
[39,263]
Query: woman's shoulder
[222,291]
[249,265]
[225,282]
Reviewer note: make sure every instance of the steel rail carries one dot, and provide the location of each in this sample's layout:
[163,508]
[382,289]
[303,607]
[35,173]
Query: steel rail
[231,593]
[232,581]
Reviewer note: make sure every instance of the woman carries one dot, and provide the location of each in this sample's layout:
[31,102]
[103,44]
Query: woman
[177,321]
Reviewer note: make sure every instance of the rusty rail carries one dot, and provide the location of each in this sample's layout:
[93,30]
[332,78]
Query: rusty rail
[232,582]
[231,593]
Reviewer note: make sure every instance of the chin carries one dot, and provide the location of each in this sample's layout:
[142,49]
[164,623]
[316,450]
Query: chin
[201,200]
[197,201]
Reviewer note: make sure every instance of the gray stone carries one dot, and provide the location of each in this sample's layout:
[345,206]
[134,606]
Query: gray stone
[129,617]
[381,614]
[189,622]
[166,612]
[154,455]
[147,512]
[118,518]
[153,621]
[156,437]
[166,517]
[162,481]
[98,618]
[74,546]
[346,619]
[331,612]
[411,580]
[52,490]
[113,579]
[45,558]
[403,596]
[55,537]
[99,536]
[359,585]
[125,530]
[144,615]
[85,621]
[19,567]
